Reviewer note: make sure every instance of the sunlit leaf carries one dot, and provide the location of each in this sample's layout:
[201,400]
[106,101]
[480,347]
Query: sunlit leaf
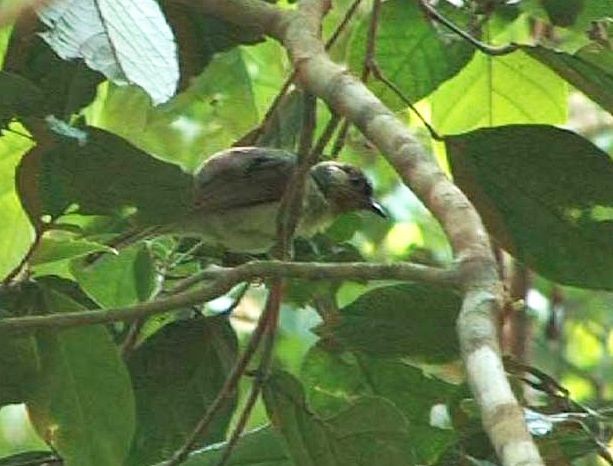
[210,115]
[126,42]
[16,233]
[594,81]
[118,280]
[494,91]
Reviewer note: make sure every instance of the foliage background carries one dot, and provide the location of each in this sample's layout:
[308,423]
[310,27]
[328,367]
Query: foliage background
[570,328]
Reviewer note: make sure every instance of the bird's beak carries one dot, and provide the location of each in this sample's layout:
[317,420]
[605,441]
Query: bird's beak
[377,208]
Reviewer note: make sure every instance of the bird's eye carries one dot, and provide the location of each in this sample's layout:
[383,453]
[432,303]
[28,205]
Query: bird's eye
[356,181]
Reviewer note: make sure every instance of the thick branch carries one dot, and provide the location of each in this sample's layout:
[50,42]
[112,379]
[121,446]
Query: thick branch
[347,96]
[223,280]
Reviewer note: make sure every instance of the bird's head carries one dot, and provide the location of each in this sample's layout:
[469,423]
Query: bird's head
[345,187]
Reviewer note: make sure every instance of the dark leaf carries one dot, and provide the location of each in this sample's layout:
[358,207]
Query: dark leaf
[415,320]
[103,175]
[262,447]
[176,374]
[545,194]
[370,431]
[66,86]
[589,78]
[18,98]
[83,404]
[334,379]
[563,12]
[19,366]
[411,52]
[28,458]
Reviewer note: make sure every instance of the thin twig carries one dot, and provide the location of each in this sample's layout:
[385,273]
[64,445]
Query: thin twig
[483,47]
[274,304]
[227,391]
[256,388]
[224,279]
[255,134]
[25,259]
[326,135]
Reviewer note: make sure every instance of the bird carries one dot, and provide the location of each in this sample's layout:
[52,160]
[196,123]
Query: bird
[237,194]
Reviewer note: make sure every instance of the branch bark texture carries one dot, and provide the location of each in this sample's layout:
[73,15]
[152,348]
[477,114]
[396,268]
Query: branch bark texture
[220,280]
[298,32]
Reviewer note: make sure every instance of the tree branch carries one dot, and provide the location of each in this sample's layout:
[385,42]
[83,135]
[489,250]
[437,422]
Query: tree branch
[223,280]
[298,32]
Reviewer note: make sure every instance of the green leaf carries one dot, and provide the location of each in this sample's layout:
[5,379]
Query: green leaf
[200,37]
[19,367]
[209,116]
[545,194]
[415,320]
[334,379]
[589,78]
[108,35]
[176,374]
[119,280]
[370,431]
[16,232]
[410,51]
[61,247]
[83,405]
[103,175]
[495,91]
[261,447]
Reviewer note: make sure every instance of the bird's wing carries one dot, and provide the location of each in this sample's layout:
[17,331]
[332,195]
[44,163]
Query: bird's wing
[241,177]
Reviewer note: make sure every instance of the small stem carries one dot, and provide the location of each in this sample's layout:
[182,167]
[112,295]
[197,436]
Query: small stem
[226,392]
[483,47]
[26,258]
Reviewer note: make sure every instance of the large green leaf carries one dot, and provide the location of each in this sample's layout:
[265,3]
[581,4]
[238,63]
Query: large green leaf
[102,174]
[333,379]
[411,52]
[176,374]
[215,110]
[118,280]
[16,233]
[83,405]
[369,431]
[57,248]
[494,91]
[545,194]
[594,81]
[415,320]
